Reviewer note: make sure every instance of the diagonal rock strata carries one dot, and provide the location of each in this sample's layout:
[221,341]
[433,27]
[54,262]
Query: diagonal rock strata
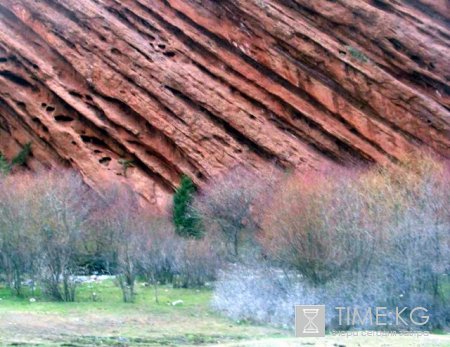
[199,86]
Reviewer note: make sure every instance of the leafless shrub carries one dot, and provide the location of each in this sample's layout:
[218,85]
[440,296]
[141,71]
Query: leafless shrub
[124,223]
[157,262]
[266,294]
[317,225]
[198,261]
[227,206]
[18,248]
[169,258]
[61,209]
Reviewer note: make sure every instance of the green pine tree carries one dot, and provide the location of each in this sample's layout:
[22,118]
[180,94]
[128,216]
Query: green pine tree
[187,222]
[22,156]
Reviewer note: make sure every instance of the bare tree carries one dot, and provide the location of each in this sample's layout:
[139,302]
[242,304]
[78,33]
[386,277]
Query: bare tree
[62,206]
[43,218]
[123,220]
[17,239]
[315,225]
[228,204]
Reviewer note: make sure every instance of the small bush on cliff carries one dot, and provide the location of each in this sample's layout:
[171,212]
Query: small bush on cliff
[22,156]
[19,159]
[187,222]
[126,164]
[357,54]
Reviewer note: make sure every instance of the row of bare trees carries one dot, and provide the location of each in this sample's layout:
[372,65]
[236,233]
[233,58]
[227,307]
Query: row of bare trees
[54,228]
[310,236]
[42,223]
[360,237]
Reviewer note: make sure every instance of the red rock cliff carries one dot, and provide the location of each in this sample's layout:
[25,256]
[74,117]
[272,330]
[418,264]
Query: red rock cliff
[198,86]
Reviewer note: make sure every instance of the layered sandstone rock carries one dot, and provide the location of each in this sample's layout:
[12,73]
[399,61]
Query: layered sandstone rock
[199,86]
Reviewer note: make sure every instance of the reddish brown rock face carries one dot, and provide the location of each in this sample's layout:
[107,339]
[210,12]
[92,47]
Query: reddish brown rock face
[199,86]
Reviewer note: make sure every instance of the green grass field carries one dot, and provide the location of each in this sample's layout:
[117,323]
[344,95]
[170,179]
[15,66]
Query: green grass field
[110,322]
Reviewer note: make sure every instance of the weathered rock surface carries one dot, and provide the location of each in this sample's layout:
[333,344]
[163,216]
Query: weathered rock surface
[198,86]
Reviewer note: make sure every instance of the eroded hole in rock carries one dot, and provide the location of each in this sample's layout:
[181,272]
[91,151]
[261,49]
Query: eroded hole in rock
[43,105]
[21,105]
[169,54]
[381,5]
[50,109]
[63,118]
[93,140]
[396,44]
[75,94]
[16,79]
[116,51]
[88,97]
[418,60]
[38,122]
[162,46]
[105,161]
[3,60]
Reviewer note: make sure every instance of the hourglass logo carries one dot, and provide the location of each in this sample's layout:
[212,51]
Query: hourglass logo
[310,321]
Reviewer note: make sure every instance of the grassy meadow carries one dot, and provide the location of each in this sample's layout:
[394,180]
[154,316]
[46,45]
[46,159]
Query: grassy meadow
[108,321]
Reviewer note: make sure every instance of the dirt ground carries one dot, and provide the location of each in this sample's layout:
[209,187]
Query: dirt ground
[104,329]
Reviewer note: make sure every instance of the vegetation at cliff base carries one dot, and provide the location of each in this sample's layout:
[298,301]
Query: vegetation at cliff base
[359,237]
